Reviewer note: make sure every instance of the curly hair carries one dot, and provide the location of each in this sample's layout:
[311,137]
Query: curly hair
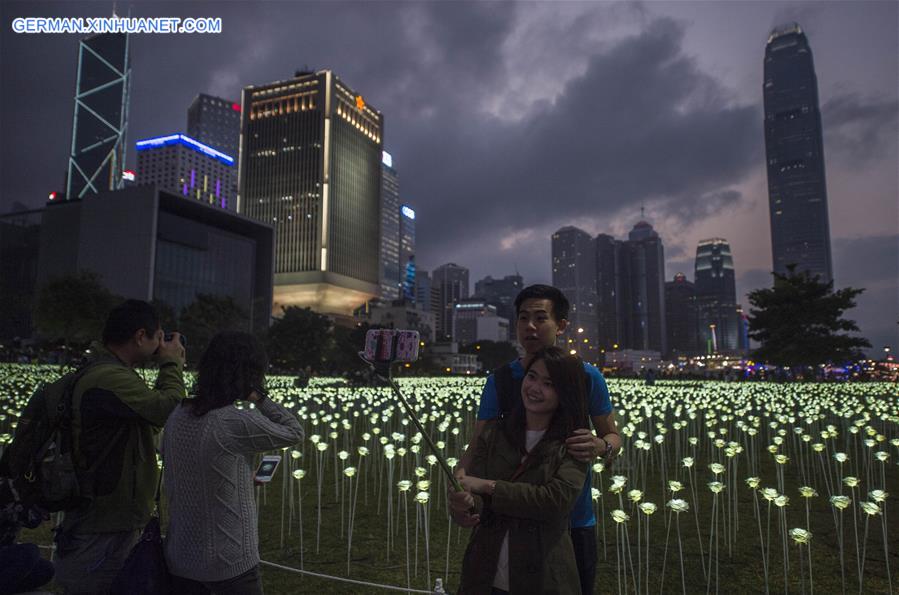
[230,368]
[568,377]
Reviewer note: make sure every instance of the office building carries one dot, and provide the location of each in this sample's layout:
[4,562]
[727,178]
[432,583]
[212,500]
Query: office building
[574,273]
[20,236]
[310,166]
[450,284]
[630,282]
[407,252]
[475,320]
[182,165]
[176,249]
[609,309]
[501,293]
[681,317]
[215,122]
[794,148]
[716,298]
[390,270]
[100,121]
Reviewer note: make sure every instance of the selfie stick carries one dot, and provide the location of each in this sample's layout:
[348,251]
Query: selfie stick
[382,369]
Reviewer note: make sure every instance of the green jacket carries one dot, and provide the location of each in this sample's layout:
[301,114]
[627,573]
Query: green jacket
[533,508]
[113,408]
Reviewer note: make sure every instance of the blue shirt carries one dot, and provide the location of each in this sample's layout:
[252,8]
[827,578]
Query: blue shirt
[598,403]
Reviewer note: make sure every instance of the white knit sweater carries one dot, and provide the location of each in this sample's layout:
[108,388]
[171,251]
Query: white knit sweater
[212,533]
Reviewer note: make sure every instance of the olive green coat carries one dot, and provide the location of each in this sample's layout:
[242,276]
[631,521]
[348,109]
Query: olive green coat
[533,508]
[116,413]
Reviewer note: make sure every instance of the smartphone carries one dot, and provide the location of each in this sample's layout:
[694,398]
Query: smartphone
[169,336]
[267,468]
[388,345]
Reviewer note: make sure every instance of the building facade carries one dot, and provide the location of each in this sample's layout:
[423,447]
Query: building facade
[100,122]
[20,236]
[215,122]
[501,293]
[182,165]
[407,252]
[176,249]
[718,321]
[794,148]
[475,320]
[450,283]
[643,289]
[390,230]
[310,166]
[574,273]
[681,317]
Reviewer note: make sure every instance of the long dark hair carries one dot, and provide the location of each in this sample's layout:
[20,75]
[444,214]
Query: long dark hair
[231,367]
[567,374]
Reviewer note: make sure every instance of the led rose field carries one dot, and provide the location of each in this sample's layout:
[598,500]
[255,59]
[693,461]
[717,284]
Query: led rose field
[752,487]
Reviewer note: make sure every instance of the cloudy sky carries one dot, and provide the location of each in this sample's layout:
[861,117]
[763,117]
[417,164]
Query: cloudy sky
[507,121]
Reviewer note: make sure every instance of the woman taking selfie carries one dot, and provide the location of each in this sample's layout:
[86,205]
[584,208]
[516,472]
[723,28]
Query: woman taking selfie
[523,484]
[209,449]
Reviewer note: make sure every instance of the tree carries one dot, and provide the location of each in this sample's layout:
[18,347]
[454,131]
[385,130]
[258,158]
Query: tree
[798,322]
[298,339]
[207,315]
[492,354]
[343,352]
[73,308]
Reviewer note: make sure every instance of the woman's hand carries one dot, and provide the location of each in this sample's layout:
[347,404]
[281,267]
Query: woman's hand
[476,485]
[461,504]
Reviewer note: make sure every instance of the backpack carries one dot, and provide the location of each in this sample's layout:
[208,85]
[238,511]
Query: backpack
[39,461]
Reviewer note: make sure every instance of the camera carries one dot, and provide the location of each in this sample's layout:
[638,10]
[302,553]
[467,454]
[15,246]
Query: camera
[388,345]
[169,336]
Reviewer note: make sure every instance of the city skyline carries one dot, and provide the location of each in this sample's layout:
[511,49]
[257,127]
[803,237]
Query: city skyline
[460,85]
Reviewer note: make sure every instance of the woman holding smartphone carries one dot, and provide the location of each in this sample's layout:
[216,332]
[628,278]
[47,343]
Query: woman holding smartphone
[523,484]
[208,448]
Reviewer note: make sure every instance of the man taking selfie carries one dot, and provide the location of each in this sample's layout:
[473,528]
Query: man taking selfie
[542,316]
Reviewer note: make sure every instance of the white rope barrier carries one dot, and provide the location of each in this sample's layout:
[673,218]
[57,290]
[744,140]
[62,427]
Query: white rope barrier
[437,589]
[355,582]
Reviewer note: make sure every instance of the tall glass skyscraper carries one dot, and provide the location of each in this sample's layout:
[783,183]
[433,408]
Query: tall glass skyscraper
[716,297]
[407,252]
[310,165]
[100,123]
[797,193]
[574,272]
[451,284]
[390,231]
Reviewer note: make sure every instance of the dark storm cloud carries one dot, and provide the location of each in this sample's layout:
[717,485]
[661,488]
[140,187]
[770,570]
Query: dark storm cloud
[859,128]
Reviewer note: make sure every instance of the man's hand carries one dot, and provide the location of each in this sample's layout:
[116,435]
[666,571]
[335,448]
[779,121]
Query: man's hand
[476,485]
[171,350]
[459,473]
[584,446]
[461,504]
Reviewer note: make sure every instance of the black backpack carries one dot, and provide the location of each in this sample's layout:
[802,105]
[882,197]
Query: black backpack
[39,462]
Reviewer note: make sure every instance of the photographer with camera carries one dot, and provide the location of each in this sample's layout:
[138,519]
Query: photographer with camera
[116,418]
[208,448]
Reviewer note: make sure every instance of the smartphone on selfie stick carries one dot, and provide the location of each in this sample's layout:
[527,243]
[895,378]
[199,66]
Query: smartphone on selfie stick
[383,347]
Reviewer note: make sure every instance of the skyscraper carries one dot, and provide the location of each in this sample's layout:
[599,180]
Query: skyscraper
[574,273]
[630,286]
[390,230]
[797,192]
[501,293]
[643,289]
[310,165]
[680,317]
[100,122]
[450,282]
[182,165]
[215,122]
[609,309]
[716,297]
[407,252]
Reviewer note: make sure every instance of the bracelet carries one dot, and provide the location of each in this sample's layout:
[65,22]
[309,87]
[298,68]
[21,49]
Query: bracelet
[608,450]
